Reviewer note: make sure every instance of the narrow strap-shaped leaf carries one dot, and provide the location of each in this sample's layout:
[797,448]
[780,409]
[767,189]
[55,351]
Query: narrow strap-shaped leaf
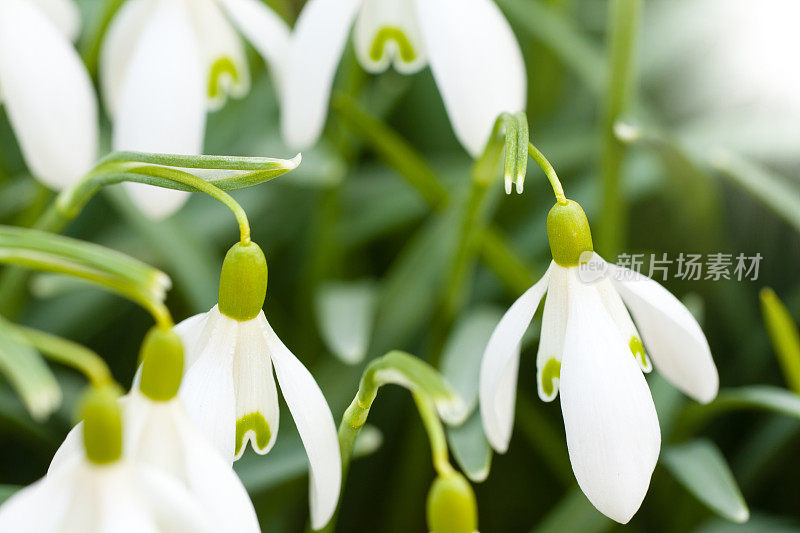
[784,335]
[470,448]
[702,469]
[27,373]
[346,314]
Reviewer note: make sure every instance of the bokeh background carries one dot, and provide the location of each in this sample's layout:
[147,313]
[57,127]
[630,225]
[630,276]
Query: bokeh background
[712,166]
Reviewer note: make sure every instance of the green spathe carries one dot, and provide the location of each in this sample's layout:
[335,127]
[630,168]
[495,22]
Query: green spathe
[569,233]
[451,505]
[102,424]
[243,282]
[162,364]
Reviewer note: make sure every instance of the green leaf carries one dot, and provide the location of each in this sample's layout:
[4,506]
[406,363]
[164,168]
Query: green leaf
[756,524]
[784,335]
[461,358]
[28,373]
[701,468]
[574,513]
[346,313]
[288,461]
[470,448]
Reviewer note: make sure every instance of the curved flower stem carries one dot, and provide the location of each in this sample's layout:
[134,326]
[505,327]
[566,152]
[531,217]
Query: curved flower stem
[623,26]
[433,427]
[549,171]
[69,353]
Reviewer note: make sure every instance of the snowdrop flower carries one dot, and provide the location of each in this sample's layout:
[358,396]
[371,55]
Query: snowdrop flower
[473,54]
[46,89]
[159,433]
[165,63]
[591,351]
[229,390]
[100,490]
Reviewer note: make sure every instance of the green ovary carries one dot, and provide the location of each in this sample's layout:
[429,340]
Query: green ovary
[256,423]
[637,349]
[221,66]
[552,370]
[386,34]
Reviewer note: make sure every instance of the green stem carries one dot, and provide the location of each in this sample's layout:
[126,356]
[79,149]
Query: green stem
[549,171]
[433,427]
[69,353]
[624,16]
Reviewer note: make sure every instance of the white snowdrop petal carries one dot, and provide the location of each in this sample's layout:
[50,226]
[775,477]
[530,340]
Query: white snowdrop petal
[151,435]
[499,366]
[173,508]
[316,427]
[64,14]
[257,410]
[119,504]
[611,425]
[387,33]
[47,94]
[22,512]
[208,391]
[226,69]
[264,29]
[673,337]
[317,44]
[194,333]
[118,46]
[162,104]
[622,319]
[551,341]
[476,62]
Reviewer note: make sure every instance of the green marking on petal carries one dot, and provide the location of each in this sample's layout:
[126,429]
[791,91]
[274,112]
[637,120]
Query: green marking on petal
[386,34]
[552,370]
[222,66]
[637,349]
[256,423]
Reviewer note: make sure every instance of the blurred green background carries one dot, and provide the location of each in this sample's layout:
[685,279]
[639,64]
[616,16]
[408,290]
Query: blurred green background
[347,216]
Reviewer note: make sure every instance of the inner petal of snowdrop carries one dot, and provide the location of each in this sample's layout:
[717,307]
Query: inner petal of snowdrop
[622,319]
[551,342]
[386,32]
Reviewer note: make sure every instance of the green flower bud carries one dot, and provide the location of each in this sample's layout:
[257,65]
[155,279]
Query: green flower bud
[451,505]
[243,282]
[162,364]
[102,424]
[569,233]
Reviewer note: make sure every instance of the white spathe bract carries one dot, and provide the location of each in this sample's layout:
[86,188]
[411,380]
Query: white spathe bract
[81,497]
[46,90]
[592,353]
[165,63]
[473,54]
[161,435]
[230,393]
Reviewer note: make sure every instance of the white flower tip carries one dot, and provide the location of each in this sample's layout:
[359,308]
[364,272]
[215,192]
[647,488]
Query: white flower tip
[295,161]
[508,185]
[742,516]
[520,185]
[627,133]
[452,410]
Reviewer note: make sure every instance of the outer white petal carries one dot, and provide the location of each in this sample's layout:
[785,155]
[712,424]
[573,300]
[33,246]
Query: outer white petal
[622,319]
[612,429]
[673,337]
[48,95]
[315,424]
[225,62]
[162,101]
[118,47]
[498,376]
[207,389]
[116,501]
[256,394]
[476,62]
[554,327]
[265,30]
[22,513]
[382,19]
[316,47]
[64,14]
[170,504]
[195,332]
[151,435]
[71,448]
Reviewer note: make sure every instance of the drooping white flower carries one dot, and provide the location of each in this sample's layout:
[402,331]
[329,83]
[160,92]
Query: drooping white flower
[99,490]
[158,433]
[46,89]
[591,351]
[230,392]
[473,54]
[165,63]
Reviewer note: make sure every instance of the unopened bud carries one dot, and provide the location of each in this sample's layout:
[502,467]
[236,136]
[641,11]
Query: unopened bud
[451,505]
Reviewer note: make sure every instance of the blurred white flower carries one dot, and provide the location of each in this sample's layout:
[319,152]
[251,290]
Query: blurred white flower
[230,393]
[740,91]
[165,63]
[589,349]
[46,89]
[473,54]
[160,435]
